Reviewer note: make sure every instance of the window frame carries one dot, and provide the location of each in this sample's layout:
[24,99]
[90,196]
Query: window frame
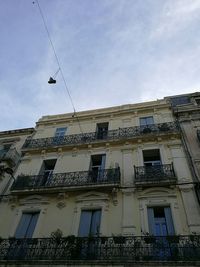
[92,214]
[60,132]
[146,120]
[32,222]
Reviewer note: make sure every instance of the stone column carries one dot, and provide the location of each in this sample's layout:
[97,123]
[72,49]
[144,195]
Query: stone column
[191,207]
[129,214]
[127,167]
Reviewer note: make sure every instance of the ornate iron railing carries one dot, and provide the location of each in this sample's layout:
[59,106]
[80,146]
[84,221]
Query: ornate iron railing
[158,174]
[85,138]
[198,134]
[107,176]
[102,249]
[11,155]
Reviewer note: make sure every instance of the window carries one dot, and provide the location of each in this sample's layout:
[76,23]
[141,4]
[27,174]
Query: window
[59,135]
[151,157]
[146,121]
[160,221]
[181,100]
[27,225]
[89,223]
[46,171]
[102,130]
[60,132]
[97,166]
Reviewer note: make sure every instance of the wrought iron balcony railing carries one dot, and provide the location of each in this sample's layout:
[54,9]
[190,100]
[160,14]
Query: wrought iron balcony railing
[198,134]
[70,179]
[11,156]
[158,174]
[86,138]
[102,249]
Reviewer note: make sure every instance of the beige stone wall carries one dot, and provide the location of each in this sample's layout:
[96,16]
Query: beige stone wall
[122,117]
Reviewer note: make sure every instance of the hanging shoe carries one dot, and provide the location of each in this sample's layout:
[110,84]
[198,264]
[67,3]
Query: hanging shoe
[51,80]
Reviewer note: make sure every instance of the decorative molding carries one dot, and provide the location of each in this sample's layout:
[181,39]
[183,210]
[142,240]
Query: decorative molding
[157,201]
[176,205]
[128,191]
[61,200]
[75,209]
[13,201]
[60,151]
[74,152]
[44,211]
[43,153]
[114,196]
[185,185]
[141,206]
[34,200]
[159,192]
[186,188]
[92,196]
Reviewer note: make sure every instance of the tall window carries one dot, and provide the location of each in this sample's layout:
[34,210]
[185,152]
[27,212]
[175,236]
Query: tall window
[59,135]
[89,223]
[60,132]
[151,157]
[97,166]
[27,225]
[146,121]
[102,130]
[160,221]
[46,171]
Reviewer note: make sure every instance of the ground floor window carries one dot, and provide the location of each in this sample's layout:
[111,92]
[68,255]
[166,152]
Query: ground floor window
[160,221]
[89,223]
[27,224]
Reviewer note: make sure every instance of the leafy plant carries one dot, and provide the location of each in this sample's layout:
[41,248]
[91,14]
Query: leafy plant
[56,235]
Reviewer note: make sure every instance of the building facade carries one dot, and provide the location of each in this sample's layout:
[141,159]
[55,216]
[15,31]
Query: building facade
[108,186]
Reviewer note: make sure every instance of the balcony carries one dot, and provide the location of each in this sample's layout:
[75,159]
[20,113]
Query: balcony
[107,177]
[155,175]
[88,138]
[11,156]
[102,250]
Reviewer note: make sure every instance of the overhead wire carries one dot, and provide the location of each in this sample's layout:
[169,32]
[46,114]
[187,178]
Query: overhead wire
[58,62]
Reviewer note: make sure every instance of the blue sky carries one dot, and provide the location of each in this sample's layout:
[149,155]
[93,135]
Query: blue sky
[112,52]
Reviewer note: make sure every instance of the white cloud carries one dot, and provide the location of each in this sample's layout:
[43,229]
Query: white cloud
[175,16]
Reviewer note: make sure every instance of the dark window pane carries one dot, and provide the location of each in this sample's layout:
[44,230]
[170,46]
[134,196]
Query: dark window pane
[180,100]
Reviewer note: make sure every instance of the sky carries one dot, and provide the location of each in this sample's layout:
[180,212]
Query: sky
[111,52]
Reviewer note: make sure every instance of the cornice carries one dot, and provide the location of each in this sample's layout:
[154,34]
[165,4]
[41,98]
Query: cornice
[17,132]
[104,113]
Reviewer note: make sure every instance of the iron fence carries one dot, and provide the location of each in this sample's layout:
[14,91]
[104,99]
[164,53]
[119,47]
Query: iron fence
[69,179]
[10,155]
[155,174]
[86,138]
[102,249]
